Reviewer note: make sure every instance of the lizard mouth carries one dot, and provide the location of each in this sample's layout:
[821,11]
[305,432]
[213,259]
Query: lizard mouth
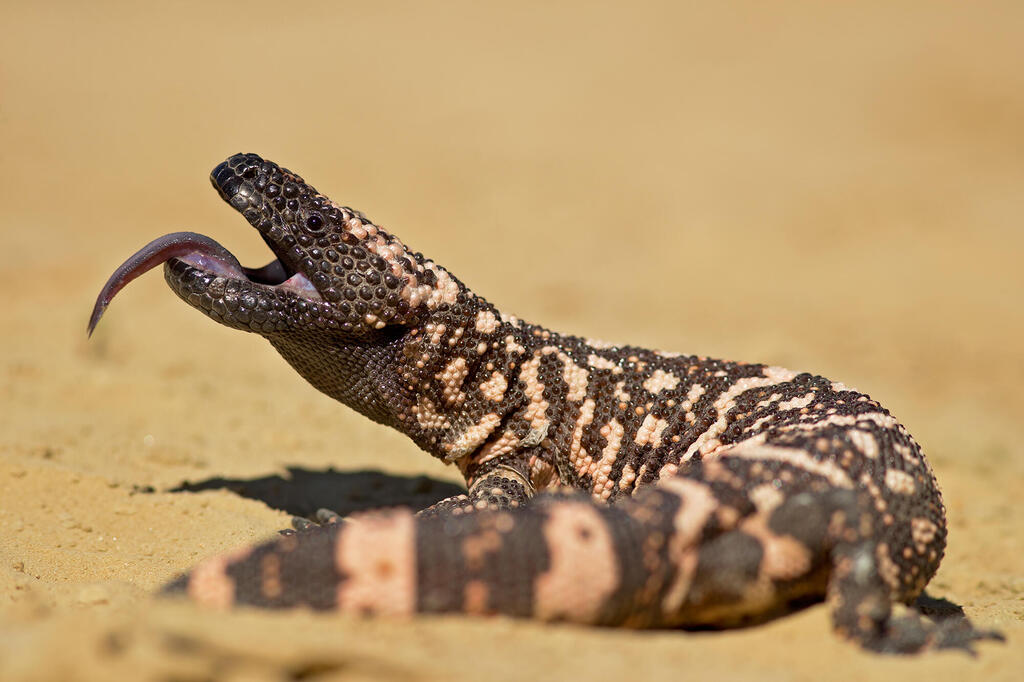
[206,257]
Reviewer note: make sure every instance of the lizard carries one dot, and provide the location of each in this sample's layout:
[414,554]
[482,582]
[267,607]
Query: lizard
[606,484]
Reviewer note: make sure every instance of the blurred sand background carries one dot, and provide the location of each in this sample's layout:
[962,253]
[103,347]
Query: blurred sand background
[835,187]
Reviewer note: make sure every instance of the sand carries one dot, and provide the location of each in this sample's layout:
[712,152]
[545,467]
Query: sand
[831,188]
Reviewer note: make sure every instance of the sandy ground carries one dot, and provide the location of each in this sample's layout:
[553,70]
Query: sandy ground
[828,187]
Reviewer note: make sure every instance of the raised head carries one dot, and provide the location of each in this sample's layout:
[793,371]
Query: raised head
[334,269]
[345,302]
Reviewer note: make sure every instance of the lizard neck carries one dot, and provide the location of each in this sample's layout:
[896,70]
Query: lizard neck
[451,382]
[459,373]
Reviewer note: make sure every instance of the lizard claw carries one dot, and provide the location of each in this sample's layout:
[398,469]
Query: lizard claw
[327,517]
[961,635]
[913,634]
[323,517]
[300,524]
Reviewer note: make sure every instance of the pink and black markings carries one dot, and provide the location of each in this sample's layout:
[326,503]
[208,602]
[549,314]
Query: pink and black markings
[607,484]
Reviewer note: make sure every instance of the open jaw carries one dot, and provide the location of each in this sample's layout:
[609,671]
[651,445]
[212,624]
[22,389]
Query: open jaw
[204,254]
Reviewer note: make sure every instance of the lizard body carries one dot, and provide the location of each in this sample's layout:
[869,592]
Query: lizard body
[607,484]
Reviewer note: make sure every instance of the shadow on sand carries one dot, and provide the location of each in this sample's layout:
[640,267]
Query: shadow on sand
[301,492]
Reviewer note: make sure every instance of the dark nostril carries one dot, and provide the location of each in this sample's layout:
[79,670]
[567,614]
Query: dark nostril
[241,175]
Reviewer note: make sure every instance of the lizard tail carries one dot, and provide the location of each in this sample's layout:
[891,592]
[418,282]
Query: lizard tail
[675,554]
[561,558]
[685,552]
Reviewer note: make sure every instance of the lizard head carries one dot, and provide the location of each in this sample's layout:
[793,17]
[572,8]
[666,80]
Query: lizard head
[334,270]
[336,301]
[341,265]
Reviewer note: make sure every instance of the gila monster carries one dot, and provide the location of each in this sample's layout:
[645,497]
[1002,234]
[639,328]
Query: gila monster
[607,484]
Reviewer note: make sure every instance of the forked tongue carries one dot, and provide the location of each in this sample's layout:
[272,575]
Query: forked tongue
[191,247]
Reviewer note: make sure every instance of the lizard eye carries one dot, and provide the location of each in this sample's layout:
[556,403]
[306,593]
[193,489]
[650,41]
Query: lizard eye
[314,223]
